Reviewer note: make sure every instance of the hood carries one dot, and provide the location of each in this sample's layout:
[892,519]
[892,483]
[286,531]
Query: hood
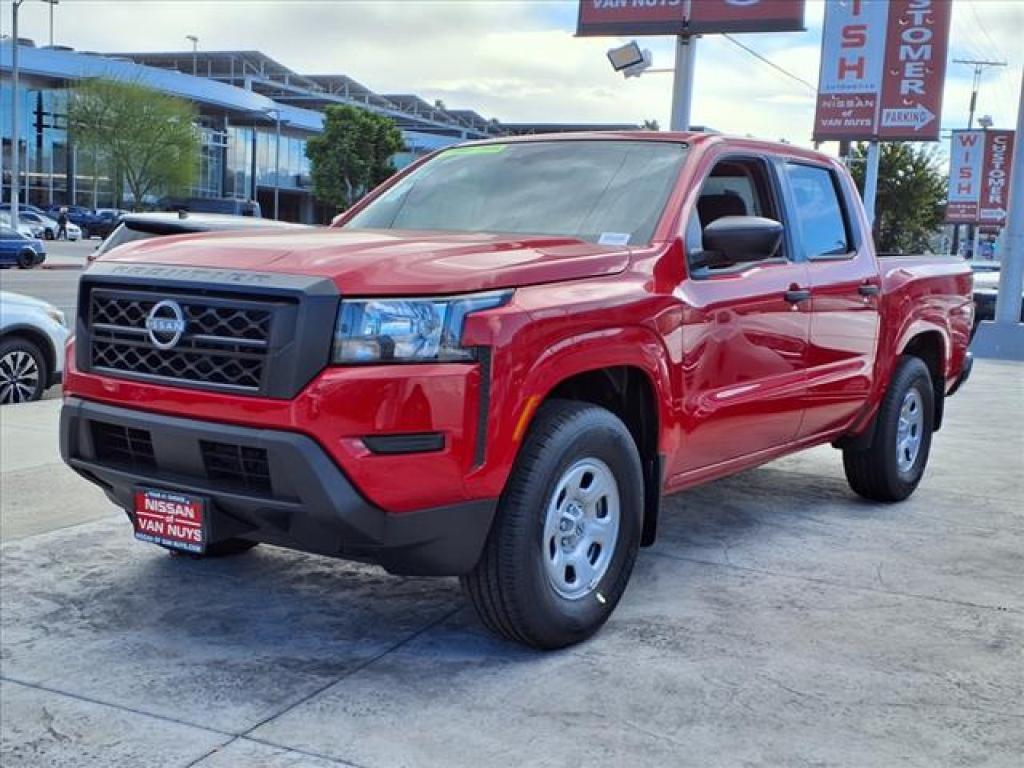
[19,299]
[383,262]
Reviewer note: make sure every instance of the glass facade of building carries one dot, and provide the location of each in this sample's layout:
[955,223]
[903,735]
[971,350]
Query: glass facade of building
[226,159]
[292,162]
[43,151]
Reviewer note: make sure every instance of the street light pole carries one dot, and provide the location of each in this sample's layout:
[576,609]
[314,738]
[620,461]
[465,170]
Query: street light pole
[52,3]
[195,53]
[15,139]
[276,112]
[682,82]
[277,168]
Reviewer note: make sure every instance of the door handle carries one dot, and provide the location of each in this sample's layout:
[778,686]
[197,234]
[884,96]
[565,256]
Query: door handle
[796,295]
[869,289]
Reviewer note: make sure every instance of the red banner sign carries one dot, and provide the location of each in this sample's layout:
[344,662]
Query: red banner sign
[883,66]
[979,177]
[668,17]
[709,16]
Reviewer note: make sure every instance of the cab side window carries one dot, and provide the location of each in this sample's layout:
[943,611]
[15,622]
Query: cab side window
[819,212]
[735,187]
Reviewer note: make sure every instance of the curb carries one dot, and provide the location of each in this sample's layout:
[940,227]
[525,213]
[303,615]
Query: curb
[62,266]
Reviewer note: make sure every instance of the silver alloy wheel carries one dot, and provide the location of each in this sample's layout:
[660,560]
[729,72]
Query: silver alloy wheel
[909,431]
[581,528]
[19,377]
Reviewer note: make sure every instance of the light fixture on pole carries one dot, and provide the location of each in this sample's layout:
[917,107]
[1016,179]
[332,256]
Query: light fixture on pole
[195,53]
[629,59]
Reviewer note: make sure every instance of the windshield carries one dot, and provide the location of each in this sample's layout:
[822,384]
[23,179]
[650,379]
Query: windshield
[608,192]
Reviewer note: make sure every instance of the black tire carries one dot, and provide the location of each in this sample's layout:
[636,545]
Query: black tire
[48,234]
[85,233]
[509,588]
[874,472]
[12,386]
[224,548]
[26,259]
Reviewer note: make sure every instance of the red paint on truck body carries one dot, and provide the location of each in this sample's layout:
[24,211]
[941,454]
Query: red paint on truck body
[739,375]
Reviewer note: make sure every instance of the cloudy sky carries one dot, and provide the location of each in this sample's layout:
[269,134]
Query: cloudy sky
[517,60]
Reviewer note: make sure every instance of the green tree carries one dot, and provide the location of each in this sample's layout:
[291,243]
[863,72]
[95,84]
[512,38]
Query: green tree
[352,154]
[145,137]
[911,193]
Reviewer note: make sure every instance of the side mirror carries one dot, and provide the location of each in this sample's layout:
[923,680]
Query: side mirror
[737,239]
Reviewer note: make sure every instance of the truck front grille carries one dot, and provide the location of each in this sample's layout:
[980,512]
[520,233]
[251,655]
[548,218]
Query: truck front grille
[224,343]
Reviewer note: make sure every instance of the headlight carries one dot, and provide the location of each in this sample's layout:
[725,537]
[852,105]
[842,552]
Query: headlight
[407,330]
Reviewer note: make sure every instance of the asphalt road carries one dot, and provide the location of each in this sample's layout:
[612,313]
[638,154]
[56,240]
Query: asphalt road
[778,621]
[57,280]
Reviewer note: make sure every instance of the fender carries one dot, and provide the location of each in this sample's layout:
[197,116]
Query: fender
[890,349]
[631,346]
[523,379]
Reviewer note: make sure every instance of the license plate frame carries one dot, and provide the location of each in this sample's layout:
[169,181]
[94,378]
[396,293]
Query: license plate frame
[172,519]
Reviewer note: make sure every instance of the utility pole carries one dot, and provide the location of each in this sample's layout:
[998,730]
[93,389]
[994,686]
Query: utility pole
[979,67]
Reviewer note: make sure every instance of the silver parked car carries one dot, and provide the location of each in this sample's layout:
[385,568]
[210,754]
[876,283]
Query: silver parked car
[32,338]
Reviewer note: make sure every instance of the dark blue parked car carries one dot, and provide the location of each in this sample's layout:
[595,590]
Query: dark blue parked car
[18,250]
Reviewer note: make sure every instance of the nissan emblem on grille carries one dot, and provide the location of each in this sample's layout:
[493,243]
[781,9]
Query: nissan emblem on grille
[166,324]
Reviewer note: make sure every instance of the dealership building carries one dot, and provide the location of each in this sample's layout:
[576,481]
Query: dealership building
[246,103]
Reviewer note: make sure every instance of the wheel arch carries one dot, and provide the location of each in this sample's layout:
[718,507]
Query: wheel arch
[931,347]
[629,377]
[37,337]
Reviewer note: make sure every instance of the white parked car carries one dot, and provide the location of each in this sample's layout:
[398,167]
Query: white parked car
[32,338]
[49,225]
[25,227]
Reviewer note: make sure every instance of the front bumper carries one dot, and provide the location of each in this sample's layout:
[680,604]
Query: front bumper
[305,502]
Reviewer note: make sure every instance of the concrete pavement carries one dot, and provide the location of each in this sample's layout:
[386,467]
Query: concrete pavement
[779,620]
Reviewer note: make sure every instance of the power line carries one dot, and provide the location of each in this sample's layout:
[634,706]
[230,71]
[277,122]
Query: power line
[981,26]
[770,63]
[979,66]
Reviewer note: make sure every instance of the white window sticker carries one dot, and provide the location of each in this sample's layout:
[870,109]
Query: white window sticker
[613,238]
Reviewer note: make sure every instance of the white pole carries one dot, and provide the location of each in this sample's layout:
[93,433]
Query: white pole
[871,181]
[277,168]
[682,82]
[1011,271]
[15,139]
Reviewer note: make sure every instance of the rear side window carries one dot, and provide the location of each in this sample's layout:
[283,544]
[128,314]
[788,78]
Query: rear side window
[820,215]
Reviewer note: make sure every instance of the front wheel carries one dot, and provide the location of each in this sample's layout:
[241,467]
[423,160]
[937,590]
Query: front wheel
[890,468]
[23,371]
[26,259]
[567,530]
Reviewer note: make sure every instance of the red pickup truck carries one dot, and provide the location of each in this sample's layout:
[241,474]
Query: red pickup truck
[496,364]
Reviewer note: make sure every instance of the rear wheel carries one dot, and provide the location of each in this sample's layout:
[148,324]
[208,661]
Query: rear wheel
[890,468]
[567,530]
[23,372]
